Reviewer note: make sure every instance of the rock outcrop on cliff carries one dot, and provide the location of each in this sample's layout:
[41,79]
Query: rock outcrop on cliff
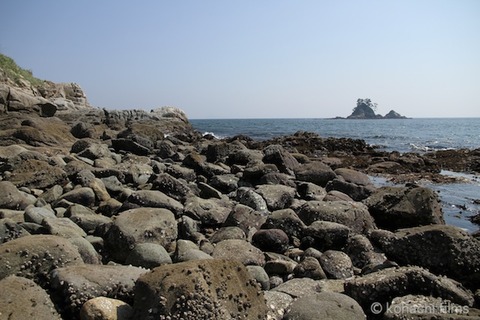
[21,92]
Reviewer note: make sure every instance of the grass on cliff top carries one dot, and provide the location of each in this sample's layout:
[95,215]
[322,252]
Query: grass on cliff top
[15,73]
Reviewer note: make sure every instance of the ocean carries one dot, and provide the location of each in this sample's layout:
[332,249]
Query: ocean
[403,135]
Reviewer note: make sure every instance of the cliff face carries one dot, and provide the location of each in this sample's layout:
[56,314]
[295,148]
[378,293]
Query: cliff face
[43,113]
[20,91]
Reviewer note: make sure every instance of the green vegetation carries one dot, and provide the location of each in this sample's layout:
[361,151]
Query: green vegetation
[15,73]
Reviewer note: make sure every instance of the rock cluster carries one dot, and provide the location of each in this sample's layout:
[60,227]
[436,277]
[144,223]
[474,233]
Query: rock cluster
[134,215]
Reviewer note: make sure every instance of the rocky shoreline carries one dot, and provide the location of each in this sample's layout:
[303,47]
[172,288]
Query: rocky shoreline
[135,215]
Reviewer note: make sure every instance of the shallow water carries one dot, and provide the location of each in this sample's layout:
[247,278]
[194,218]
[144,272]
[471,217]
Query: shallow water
[457,198]
[403,135]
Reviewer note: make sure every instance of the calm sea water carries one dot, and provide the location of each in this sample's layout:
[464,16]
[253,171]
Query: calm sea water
[403,135]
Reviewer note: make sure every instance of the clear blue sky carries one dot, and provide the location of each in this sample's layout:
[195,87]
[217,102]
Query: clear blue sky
[255,59]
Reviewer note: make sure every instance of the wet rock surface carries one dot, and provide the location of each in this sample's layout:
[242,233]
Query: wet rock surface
[219,229]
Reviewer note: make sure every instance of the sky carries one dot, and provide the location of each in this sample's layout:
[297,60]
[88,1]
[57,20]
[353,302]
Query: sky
[255,59]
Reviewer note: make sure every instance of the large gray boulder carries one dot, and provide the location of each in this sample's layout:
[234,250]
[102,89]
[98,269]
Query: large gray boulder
[325,305]
[277,197]
[354,215]
[277,155]
[34,256]
[141,225]
[75,285]
[203,289]
[251,198]
[379,288]
[336,264]
[12,198]
[355,184]
[326,235]
[152,199]
[419,307]
[315,172]
[106,308]
[246,218]
[208,211]
[286,220]
[445,250]
[404,207]
[239,250]
[21,298]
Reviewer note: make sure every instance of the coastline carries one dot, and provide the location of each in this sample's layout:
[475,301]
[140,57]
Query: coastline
[149,198]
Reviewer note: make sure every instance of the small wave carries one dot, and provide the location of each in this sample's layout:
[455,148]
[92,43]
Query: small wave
[428,148]
[207,133]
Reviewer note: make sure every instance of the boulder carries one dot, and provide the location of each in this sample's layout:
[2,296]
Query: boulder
[336,264]
[21,298]
[325,305]
[141,225]
[246,218]
[258,273]
[84,196]
[418,307]
[86,218]
[37,174]
[152,199]
[225,233]
[286,220]
[226,183]
[205,289]
[315,172]
[443,249]
[106,309]
[63,227]
[310,191]
[210,212]
[239,250]
[129,145]
[325,235]
[34,256]
[187,250]
[12,198]
[351,214]
[87,250]
[404,207]
[10,230]
[298,287]
[249,197]
[75,285]
[278,303]
[277,197]
[277,155]
[170,186]
[379,288]
[148,255]
[279,265]
[362,253]
[274,240]
[309,267]
[37,214]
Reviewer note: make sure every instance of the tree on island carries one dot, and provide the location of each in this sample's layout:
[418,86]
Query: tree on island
[365,109]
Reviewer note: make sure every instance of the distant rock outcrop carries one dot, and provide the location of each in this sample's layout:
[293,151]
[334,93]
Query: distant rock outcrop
[394,115]
[20,91]
[365,109]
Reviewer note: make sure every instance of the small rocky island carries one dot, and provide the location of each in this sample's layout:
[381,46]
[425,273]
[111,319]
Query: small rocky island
[365,109]
[126,215]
